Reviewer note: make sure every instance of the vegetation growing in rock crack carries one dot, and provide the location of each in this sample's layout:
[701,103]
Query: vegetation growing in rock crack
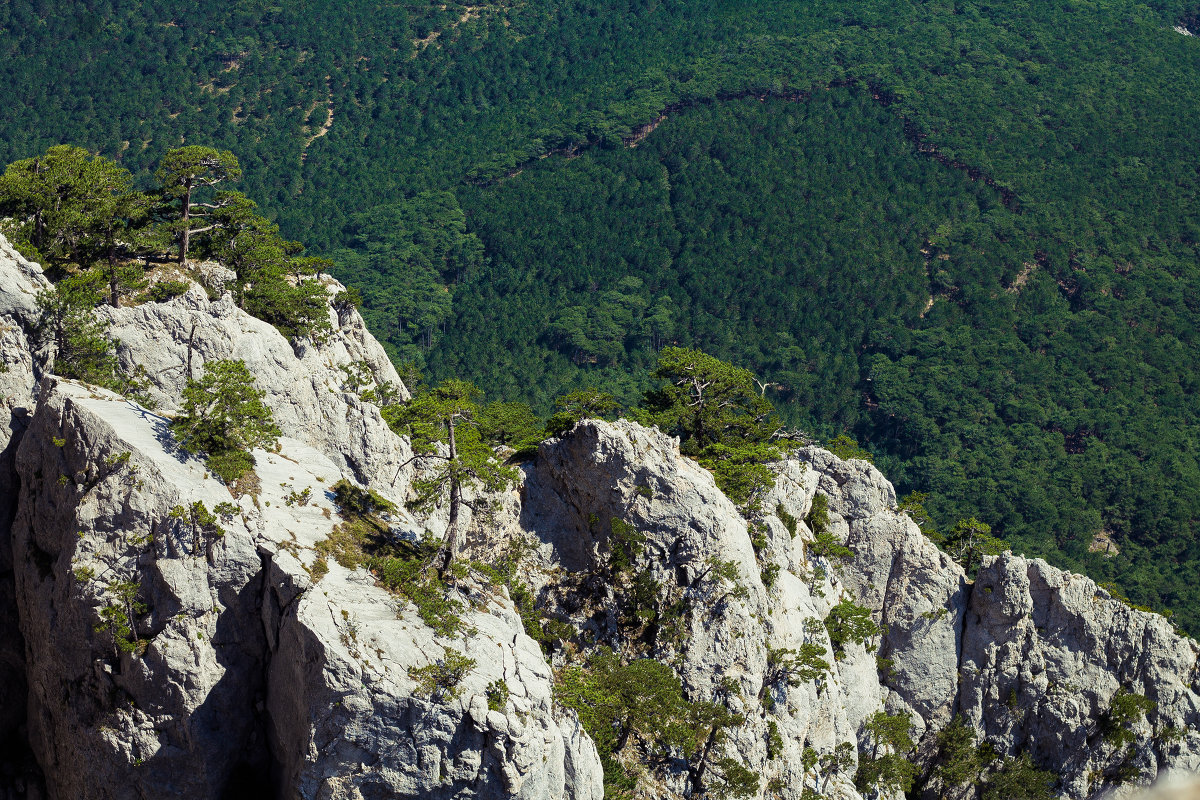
[849,622]
[961,762]
[1124,710]
[363,539]
[223,417]
[201,522]
[887,765]
[119,616]
[638,709]
[440,680]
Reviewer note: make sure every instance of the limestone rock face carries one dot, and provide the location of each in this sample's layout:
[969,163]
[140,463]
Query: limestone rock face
[177,641]
[601,472]
[917,591]
[1044,653]
[1029,654]
[98,490]
[249,656]
[307,387]
[181,642]
[20,283]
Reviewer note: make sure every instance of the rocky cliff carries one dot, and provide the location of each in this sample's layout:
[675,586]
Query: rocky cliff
[260,659]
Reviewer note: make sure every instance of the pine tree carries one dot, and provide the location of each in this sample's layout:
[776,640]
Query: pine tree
[443,426]
[223,417]
[185,170]
[68,206]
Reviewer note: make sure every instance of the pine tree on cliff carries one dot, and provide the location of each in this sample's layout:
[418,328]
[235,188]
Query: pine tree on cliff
[442,424]
[184,171]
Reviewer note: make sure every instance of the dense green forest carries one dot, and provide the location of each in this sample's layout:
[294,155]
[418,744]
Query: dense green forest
[964,232]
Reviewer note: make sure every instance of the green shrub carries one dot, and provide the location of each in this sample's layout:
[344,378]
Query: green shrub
[848,622]
[796,667]
[410,578]
[1124,710]
[354,502]
[626,546]
[497,694]
[643,701]
[887,766]
[789,522]
[223,417]
[166,290]
[118,617]
[441,679]
[818,514]
[846,449]
[1018,779]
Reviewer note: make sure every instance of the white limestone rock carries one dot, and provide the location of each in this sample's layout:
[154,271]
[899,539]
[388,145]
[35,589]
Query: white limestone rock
[602,471]
[306,387]
[1045,651]
[99,482]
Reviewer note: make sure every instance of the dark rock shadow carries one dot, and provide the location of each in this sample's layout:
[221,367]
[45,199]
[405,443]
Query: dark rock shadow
[229,724]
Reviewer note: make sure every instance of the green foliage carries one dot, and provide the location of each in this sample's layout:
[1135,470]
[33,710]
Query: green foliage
[789,522]
[1018,779]
[511,425]
[272,281]
[840,760]
[796,667]
[729,777]
[118,617]
[888,765]
[166,290]
[824,544]
[67,206]
[443,425]
[1124,710]
[354,501]
[641,703]
[82,350]
[721,420]
[846,448]
[79,214]
[580,404]
[186,170]
[849,622]
[818,514]
[202,522]
[969,541]
[223,417]
[959,759]
[774,740]
[546,632]
[497,694]
[406,257]
[440,680]
[410,578]
[913,504]
[626,546]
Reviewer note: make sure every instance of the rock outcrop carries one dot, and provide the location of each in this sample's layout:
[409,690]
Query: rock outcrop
[726,641]
[312,388]
[1044,654]
[178,641]
[182,642]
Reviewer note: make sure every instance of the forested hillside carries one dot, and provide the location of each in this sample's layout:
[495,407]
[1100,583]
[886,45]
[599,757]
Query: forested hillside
[964,232]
